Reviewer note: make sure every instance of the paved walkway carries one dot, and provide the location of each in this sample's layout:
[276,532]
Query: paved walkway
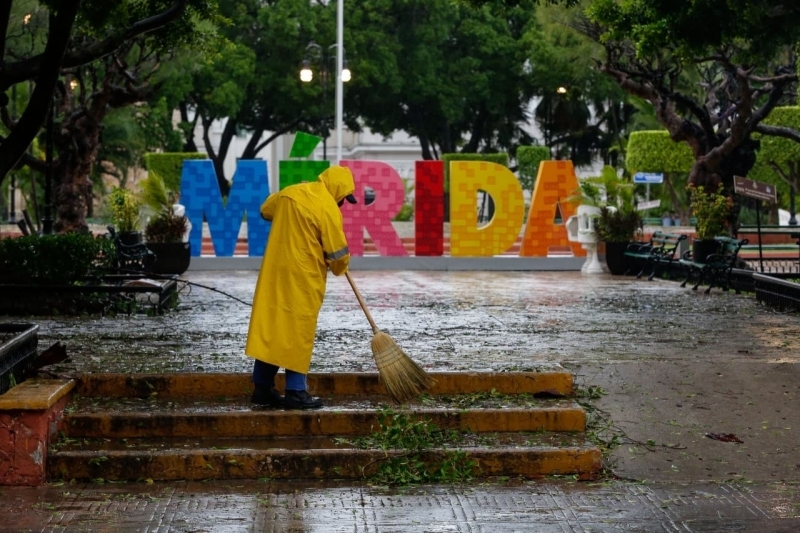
[666,372]
[253,506]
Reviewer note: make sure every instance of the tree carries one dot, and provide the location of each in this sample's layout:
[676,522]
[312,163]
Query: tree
[452,75]
[582,112]
[107,54]
[712,85]
[252,82]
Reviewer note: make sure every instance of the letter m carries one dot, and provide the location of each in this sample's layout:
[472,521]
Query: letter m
[201,195]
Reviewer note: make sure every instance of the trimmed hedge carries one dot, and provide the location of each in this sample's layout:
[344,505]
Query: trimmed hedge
[528,159]
[170,166]
[654,151]
[60,259]
[778,151]
[499,158]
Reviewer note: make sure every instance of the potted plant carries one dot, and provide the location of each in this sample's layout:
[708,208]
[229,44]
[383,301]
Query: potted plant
[711,210]
[166,232]
[126,215]
[617,228]
[616,220]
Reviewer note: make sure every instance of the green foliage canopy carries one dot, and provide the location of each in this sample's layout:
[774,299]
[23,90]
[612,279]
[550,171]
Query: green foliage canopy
[711,84]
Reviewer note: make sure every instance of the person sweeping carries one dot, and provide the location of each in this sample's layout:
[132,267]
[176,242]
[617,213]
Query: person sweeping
[306,240]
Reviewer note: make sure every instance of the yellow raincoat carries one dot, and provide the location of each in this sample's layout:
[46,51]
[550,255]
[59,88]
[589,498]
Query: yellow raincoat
[307,238]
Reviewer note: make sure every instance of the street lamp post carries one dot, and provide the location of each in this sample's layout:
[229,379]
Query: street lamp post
[324,57]
[548,131]
[12,208]
[47,221]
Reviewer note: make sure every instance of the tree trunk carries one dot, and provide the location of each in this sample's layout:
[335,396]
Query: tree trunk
[78,143]
[216,158]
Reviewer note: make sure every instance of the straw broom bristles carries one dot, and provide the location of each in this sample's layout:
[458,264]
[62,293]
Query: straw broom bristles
[402,377]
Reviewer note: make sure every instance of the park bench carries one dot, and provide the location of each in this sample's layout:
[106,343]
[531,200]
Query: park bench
[717,267]
[661,250]
[131,257]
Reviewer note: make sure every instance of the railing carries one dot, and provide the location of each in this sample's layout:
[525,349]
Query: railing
[17,351]
[113,294]
[782,294]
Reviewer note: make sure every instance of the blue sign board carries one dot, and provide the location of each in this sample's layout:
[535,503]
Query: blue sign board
[648,177]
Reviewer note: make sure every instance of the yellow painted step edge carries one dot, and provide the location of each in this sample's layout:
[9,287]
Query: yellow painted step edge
[35,394]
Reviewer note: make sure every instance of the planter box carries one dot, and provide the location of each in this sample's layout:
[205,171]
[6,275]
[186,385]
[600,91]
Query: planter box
[18,344]
[171,257]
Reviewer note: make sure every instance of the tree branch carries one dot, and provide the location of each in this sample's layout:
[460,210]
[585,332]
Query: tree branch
[59,32]
[34,162]
[5,17]
[31,67]
[700,112]
[276,134]
[777,131]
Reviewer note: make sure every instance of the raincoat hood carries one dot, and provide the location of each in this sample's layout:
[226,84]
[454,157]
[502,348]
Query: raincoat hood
[339,182]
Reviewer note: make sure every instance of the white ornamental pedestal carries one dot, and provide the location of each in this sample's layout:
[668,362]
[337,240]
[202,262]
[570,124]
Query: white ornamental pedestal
[580,228]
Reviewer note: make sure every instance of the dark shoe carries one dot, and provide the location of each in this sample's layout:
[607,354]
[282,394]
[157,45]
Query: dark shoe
[267,396]
[300,399]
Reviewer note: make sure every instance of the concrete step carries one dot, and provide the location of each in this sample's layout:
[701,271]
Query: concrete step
[551,379]
[236,417]
[527,455]
[200,426]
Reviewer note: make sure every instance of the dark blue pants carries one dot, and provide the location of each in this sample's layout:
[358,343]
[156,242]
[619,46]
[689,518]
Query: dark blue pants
[264,375]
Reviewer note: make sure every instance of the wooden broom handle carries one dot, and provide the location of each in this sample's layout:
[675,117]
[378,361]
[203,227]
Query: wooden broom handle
[361,302]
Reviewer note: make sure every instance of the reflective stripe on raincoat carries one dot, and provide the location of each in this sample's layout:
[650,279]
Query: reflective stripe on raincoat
[307,238]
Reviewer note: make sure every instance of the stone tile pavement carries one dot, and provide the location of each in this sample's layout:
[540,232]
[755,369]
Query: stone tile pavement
[663,368]
[503,507]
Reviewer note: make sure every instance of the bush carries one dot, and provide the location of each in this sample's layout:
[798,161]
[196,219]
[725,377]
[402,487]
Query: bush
[166,227]
[125,210]
[655,151]
[617,225]
[54,259]
[711,209]
[407,211]
[170,166]
[528,159]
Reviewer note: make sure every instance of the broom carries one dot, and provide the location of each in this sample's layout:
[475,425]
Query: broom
[401,376]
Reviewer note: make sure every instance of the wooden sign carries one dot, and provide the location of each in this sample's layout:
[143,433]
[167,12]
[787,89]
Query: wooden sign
[755,189]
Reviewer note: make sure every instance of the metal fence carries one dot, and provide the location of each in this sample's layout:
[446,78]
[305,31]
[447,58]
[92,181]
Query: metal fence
[781,294]
[112,295]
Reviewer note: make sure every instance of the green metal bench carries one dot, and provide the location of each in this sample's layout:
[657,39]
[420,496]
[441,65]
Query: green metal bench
[717,267]
[660,251]
[131,257]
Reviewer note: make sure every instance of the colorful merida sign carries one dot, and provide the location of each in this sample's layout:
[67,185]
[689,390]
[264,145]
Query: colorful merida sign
[556,180]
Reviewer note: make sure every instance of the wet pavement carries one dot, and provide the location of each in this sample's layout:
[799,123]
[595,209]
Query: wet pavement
[666,373]
[253,506]
[477,321]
